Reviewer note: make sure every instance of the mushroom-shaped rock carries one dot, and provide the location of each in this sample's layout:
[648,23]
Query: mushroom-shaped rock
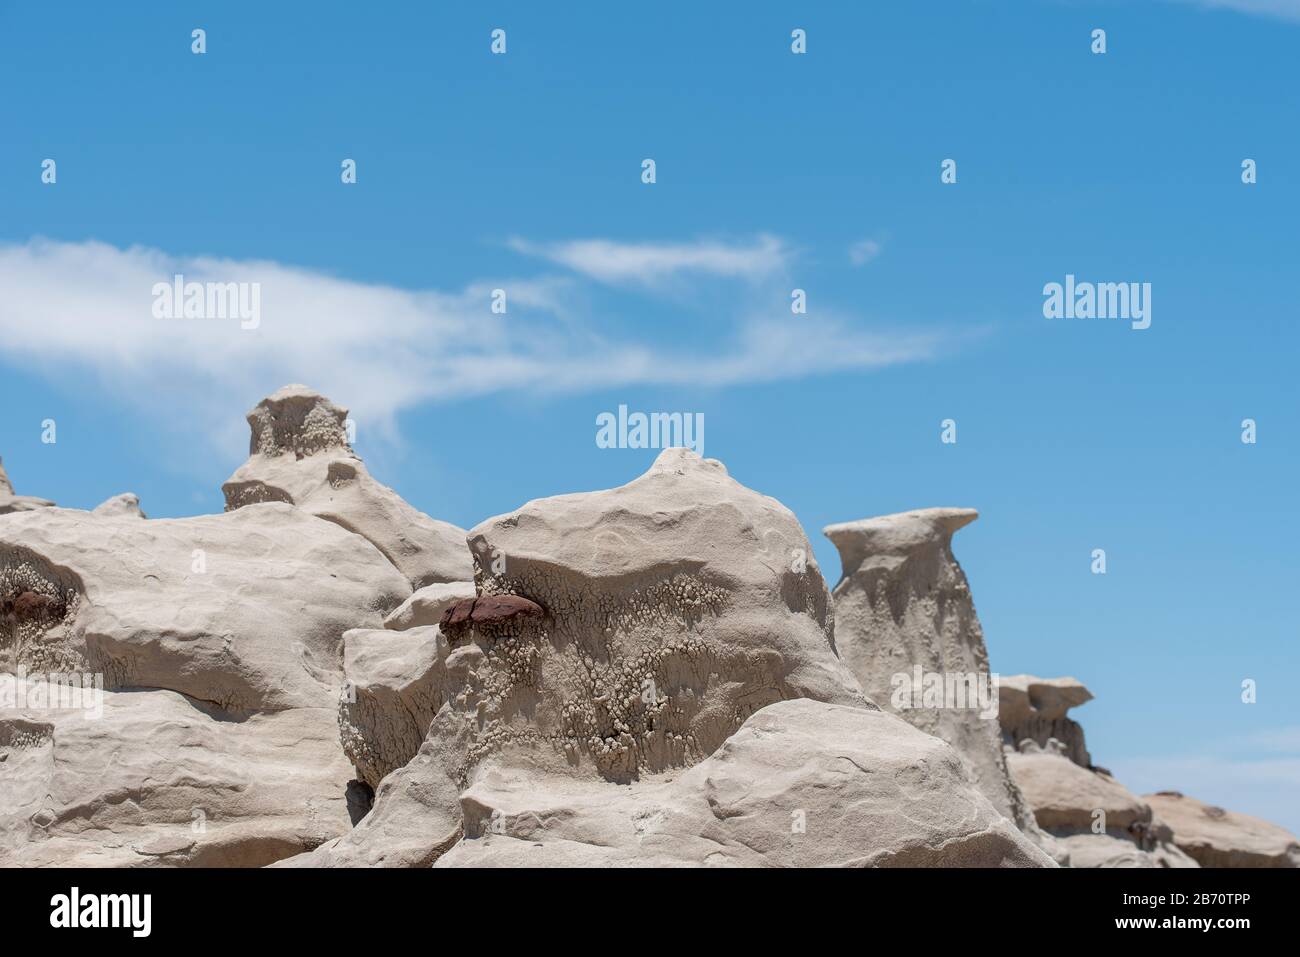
[299,454]
[1034,709]
[905,622]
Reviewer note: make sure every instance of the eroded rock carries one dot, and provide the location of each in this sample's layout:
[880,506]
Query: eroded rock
[1216,837]
[1098,820]
[299,454]
[903,610]
[1034,709]
[244,610]
[158,779]
[426,605]
[10,502]
[128,503]
[800,784]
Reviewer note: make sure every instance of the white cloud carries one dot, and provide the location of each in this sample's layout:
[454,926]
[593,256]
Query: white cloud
[1282,9]
[863,251]
[83,311]
[651,263]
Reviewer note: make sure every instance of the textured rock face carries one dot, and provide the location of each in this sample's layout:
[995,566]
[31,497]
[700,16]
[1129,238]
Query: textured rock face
[1099,821]
[158,779]
[903,608]
[674,607]
[299,454]
[392,692]
[801,784]
[1219,838]
[244,610]
[9,502]
[671,609]
[128,503]
[1034,709]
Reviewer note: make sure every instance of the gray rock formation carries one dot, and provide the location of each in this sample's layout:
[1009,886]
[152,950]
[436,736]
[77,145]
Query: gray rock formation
[128,503]
[391,693]
[903,611]
[672,608]
[1219,838]
[426,606]
[158,779]
[1034,709]
[300,454]
[1099,821]
[801,784]
[244,610]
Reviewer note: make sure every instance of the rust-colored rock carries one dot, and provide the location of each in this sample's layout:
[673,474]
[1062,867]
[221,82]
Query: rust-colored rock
[489,610]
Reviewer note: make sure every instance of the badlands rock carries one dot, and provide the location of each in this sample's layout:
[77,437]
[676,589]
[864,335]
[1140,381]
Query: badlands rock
[1099,821]
[245,610]
[1219,838]
[801,784]
[9,502]
[1034,709]
[672,609]
[903,608]
[128,503]
[426,606]
[415,818]
[300,454]
[160,779]
[392,692]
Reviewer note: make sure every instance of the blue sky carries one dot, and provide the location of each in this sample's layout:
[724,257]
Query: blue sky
[774,171]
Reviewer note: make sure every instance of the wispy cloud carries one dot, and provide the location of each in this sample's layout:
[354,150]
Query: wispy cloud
[863,251]
[649,263]
[1281,9]
[83,312]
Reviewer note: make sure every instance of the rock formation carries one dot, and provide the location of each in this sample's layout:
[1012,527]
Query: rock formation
[1034,709]
[159,779]
[1219,838]
[801,784]
[615,635]
[647,675]
[128,503]
[9,502]
[904,616]
[300,454]
[426,606]
[1099,821]
[244,610]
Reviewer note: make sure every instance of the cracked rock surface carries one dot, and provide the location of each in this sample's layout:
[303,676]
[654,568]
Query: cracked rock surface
[801,784]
